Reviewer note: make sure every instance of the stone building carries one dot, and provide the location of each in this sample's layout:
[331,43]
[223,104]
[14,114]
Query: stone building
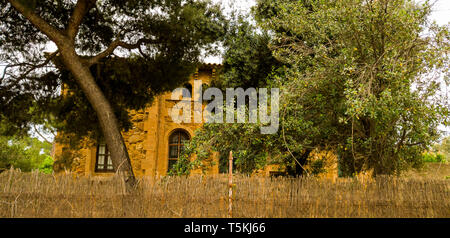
[154,142]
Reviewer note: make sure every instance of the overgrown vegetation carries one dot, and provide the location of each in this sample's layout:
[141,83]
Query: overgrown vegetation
[359,78]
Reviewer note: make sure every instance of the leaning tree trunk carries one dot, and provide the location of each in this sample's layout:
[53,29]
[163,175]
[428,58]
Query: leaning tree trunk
[105,114]
[65,40]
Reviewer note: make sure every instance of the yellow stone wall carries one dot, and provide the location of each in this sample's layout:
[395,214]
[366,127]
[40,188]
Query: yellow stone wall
[147,141]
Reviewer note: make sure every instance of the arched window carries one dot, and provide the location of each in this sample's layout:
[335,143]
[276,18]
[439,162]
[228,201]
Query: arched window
[176,146]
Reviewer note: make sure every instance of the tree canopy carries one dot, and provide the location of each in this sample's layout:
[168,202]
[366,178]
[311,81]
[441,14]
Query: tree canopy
[113,55]
[32,80]
[359,78]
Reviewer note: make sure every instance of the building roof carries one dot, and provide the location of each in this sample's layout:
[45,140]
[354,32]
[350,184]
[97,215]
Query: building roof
[208,66]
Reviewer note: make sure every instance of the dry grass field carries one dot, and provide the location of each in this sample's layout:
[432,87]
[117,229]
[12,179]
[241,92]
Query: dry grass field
[38,195]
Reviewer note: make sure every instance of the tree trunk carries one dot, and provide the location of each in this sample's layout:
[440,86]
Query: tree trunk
[106,117]
[66,46]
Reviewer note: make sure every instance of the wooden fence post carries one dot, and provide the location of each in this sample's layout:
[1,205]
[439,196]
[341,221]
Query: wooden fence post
[230,185]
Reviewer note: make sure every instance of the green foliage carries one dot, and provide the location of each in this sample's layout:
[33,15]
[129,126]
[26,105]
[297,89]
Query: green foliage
[183,166]
[361,77]
[177,33]
[433,157]
[211,138]
[46,166]
[247,59]
[26,154]
[355,77]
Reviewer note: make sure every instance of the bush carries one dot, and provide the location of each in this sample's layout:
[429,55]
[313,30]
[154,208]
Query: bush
[432,157]
[47,165]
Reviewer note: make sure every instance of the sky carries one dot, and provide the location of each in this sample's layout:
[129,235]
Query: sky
[441,14]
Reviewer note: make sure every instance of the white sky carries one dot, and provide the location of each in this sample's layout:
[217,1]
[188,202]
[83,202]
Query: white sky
[441,14]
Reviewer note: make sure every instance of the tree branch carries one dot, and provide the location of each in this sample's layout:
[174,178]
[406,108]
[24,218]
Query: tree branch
[37,132]
[81,8]
[414,144]
[33,67]
[95,59]
[53,33]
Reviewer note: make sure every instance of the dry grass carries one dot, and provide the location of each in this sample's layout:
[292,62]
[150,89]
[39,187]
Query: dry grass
[430,170]
[38,195]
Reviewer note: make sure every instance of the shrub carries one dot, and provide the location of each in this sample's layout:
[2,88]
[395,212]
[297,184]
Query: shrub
[432,157]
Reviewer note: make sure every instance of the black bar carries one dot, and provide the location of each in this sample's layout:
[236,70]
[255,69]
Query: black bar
[218,227]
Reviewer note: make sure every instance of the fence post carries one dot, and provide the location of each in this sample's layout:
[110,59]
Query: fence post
[230,185]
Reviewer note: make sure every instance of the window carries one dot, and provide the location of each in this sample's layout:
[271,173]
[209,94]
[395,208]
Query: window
[176,146]
[103,161]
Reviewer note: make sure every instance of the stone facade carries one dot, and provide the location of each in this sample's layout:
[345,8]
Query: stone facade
[148,140]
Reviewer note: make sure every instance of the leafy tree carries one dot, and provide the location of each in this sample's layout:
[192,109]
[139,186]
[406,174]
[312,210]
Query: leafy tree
[373,63]
[26,154]
[360,78]
[247,59]
[159,40]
